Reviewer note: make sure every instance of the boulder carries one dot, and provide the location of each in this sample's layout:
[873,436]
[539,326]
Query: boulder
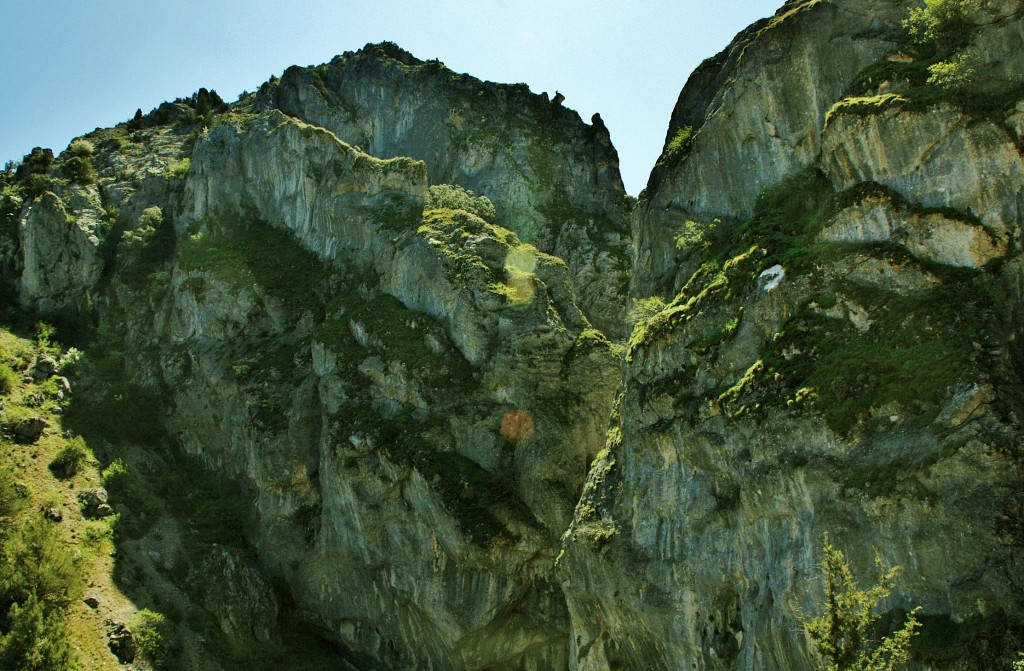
[94,503]
[44,368]
[121,642]
[29,430]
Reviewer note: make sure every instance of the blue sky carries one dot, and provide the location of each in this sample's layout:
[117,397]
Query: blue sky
[68,66]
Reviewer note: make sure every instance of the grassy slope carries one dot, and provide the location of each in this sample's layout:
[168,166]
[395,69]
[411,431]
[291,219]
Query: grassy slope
[73,556]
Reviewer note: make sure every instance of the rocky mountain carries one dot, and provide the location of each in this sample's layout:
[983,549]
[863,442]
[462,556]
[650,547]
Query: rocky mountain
[361,341]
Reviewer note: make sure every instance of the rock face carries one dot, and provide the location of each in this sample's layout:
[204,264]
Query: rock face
[455,466]
[762,104]
[373,437]
[554,181]
[933,237]
[922,156]
[61,259]
[240,596]
[389,381]
[842,251]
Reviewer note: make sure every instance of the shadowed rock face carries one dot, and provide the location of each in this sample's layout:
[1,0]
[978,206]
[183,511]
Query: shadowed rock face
[454,468]
[405,524]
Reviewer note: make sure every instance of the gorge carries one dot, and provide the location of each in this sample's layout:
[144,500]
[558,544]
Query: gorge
[398,376]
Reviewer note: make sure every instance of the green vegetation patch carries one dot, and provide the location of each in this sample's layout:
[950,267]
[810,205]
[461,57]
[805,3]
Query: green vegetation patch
[143,249]
[79,170]
[114,409]
[916,349]
[454,197]
[449,231]
[179,169]
[713,280]
[784,16]
[247,250]
[41,574]
[787,219]
[395,333]
[932,66]
[591,523]
[70,458]
[866,105]
[679,146]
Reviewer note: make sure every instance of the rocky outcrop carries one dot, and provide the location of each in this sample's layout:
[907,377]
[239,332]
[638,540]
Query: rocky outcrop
[938,158]
[934,237]
[819,274]
[61,259]
[757,112]
[239,595]
[553,179]
[696,541]
[353,359]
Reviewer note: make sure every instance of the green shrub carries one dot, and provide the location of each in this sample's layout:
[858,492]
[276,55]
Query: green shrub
[114,474]
[35,561]
[69,361]
[82,148]
[454,197]
[35,638]
[644,308]
[12,500]
[39,160]
[179,169]
[694,236]
[955,75]
[8,379]
[79,170]
[841,632]
[151,217]
[152,634]
[679,146]
[937,20]
[37,184]
[45,336]
[70,458]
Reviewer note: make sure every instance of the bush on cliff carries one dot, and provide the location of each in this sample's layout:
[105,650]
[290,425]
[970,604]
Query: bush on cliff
[841,633]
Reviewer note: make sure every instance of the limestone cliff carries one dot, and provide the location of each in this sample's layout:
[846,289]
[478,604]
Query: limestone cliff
[410,394]
[455,456]
[840,253]
[554,181]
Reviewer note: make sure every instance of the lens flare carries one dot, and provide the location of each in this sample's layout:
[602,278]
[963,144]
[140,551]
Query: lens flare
[517,425]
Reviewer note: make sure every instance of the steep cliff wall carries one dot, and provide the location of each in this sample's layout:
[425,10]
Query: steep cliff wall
[838,236]
[411,396]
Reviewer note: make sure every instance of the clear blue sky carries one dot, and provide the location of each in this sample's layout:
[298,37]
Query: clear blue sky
[68,66]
